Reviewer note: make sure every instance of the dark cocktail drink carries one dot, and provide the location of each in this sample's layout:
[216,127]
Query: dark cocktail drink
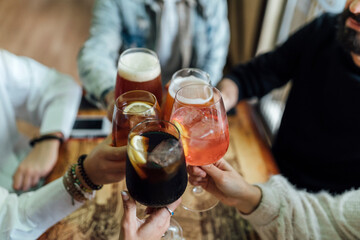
[155,168]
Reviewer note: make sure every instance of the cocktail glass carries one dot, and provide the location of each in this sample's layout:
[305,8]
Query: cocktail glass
[155,167]
[181,78]
[130,109]
[139,69]
[199,113]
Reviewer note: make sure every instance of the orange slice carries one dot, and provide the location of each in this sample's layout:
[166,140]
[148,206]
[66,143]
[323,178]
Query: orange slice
[184,135]
[138,153]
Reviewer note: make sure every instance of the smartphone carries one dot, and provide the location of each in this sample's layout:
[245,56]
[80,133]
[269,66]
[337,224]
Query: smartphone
[91,127]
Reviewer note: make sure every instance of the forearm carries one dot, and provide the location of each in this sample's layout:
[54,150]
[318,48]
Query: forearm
[249,200]
[97,60]
[287,213]
[30,214]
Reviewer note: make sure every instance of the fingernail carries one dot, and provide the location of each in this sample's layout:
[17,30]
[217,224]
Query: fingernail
[125,195]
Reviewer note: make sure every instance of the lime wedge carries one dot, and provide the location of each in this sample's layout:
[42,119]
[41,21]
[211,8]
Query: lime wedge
[137,107]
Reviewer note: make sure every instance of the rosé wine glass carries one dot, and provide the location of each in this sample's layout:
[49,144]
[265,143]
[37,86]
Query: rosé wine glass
[199,113]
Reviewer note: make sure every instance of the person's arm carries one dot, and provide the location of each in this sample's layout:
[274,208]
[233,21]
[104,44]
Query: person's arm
[27,216]
[151,228]
[30,214]
[45,98]
[288,213]
[274,69]
[218,38]
[97,60]
[279,211]
[41,95]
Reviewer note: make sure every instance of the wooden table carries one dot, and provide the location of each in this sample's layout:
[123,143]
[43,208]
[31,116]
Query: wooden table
[99,219]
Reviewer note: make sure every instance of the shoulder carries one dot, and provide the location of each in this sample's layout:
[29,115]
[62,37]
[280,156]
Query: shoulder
[325,22]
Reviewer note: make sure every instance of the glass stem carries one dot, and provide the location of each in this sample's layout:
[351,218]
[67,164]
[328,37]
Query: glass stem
[197,190]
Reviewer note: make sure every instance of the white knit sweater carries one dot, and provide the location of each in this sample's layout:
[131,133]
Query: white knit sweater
[287,213]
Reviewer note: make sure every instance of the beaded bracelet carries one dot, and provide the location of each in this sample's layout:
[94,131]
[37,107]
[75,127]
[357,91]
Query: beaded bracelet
[85,176]
[72,190]
[77,181]
[74,187]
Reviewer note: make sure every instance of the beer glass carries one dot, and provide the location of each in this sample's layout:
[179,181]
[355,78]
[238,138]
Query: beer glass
[131,108]
[139,69]
[155,167]
[200,115]
[180,79]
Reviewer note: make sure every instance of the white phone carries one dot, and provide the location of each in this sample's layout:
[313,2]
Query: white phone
[91,127]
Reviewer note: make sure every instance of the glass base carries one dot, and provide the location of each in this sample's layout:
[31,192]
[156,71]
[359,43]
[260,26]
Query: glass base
[196,199]
[174,231]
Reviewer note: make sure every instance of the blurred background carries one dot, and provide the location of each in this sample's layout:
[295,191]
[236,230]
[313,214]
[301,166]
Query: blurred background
[52,32]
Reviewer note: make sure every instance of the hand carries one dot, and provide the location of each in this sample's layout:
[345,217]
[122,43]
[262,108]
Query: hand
[152,228]
[229,92]
[110,101]
[106,164]
[37,164]
[225,183]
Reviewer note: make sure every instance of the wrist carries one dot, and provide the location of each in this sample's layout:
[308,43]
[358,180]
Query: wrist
[51,139]
[250,200]
[84,174]
[81,179]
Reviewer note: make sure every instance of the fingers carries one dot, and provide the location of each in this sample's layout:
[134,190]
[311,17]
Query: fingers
[18,179]
[216,170]
[158,222]
[196,171]
[24,180]
[108,140]
[129,208]
[115,153]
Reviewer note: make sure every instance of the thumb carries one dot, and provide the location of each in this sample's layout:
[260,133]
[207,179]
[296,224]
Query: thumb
[217,169]
[129,206]
[213,171]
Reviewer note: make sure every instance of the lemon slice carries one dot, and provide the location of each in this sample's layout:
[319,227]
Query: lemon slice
[140,145]
[184,135]
[137,107]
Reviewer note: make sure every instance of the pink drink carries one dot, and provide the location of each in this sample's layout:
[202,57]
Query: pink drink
[205,137]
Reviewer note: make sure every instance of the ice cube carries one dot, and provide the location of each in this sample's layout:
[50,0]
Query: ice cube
[203,129]
[165,153]
[188,115]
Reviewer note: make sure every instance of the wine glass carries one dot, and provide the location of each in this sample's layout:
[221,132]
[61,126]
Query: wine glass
[181,78]
[131,108]
[199,113]
[139,69]
[155,167]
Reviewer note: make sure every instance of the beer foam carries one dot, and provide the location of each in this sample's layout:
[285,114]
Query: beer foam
[180,82]
[139,67]
[195,97]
